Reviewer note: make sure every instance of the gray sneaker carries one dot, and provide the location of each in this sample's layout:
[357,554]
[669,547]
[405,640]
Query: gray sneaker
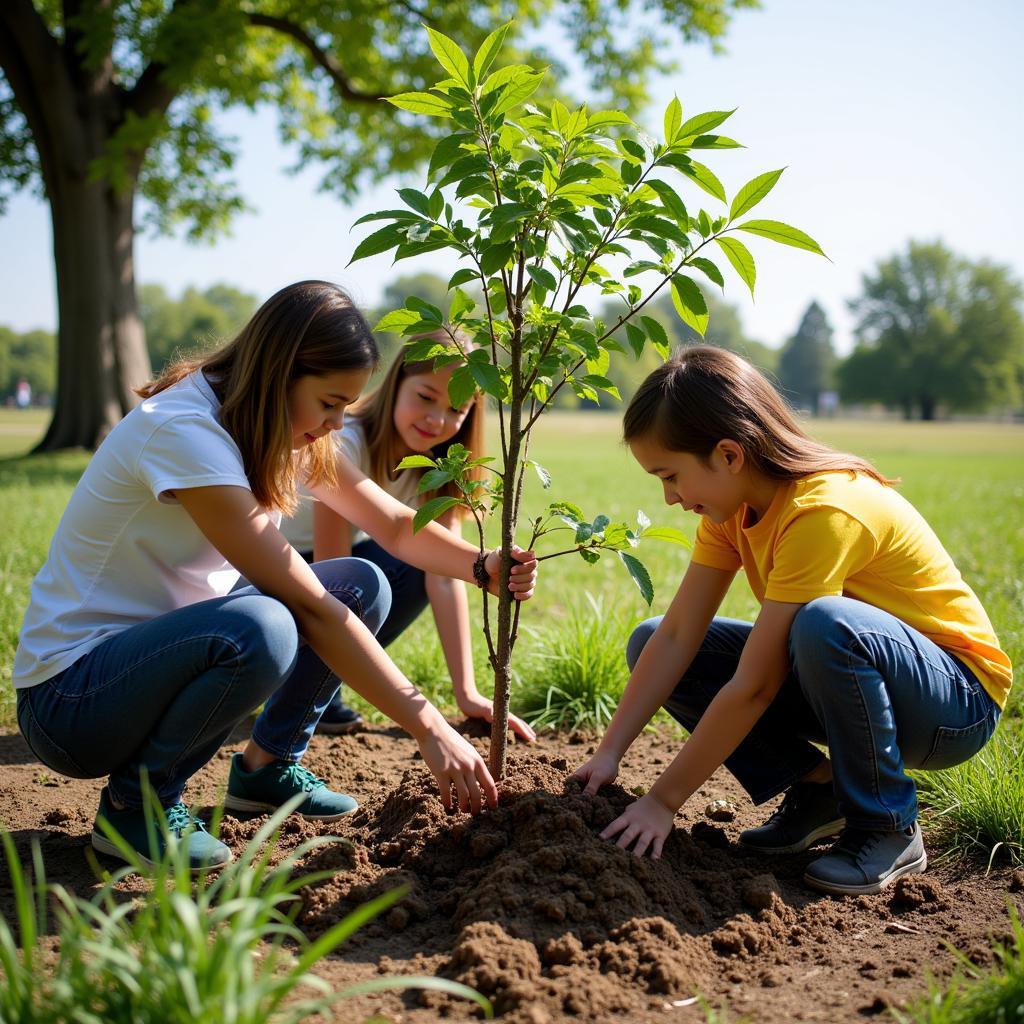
[862,863]
[808,812]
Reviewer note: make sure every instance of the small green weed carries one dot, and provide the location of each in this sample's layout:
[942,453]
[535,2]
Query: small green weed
[575,672]
[223,949]
[977,808]
[976,996]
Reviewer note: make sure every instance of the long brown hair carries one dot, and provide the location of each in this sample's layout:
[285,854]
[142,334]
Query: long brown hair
[310,328]
[376,413]
[705,394]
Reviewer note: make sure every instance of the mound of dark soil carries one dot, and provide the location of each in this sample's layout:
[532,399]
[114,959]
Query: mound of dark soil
[527,905]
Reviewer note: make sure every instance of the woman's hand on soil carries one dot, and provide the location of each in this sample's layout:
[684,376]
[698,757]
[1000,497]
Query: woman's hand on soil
[524,572]
[454,762]
[477,706]
[601,768]
[644,825]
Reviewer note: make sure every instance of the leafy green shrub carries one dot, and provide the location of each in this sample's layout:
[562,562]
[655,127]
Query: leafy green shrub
[576,670]
[977,808]
[226,951]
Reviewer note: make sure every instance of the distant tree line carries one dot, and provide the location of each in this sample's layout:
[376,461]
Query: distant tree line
[936,333]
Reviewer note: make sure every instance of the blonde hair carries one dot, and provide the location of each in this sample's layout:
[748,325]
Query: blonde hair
[310,328]
[705,394]
[376,413]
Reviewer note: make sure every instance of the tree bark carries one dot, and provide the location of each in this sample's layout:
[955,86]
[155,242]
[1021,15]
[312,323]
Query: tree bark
[101,350]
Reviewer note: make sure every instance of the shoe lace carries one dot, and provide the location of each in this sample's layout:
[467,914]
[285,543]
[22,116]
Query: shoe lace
[790,806]
[300,777]
[857,843]
[179,818]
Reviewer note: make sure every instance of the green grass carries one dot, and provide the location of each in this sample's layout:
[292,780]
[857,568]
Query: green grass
[976,996]
[976,809]
[220,949]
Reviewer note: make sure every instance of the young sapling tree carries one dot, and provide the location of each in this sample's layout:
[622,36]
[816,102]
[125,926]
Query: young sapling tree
[556,193]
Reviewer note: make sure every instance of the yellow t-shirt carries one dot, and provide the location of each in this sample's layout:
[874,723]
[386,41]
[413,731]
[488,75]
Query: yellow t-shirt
[831,534]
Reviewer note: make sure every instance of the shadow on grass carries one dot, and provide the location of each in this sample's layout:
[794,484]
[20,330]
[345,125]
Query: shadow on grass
[52,469]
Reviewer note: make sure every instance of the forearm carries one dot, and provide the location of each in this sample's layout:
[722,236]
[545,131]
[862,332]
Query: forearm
[352,652]
[658,670]
[434,549]
[450,607]
[723,726]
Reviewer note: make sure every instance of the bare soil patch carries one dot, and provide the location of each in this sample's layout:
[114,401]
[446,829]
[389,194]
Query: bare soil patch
[527,905]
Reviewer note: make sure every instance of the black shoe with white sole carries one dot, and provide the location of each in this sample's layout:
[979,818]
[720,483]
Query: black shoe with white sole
[862,863]
[808,812]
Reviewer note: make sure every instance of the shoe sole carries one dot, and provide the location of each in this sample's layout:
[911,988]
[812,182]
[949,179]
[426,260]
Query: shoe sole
[833,828]
[338,728]
[915,867]
[237,803]
[102,844]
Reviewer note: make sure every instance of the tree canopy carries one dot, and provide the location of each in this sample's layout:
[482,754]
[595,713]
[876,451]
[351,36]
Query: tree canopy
[807,361]
[936,330]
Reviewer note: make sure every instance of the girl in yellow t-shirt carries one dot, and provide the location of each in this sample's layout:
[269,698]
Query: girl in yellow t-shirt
[868,639]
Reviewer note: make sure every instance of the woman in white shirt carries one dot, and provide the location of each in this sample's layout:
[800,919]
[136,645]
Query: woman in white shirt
[135,659]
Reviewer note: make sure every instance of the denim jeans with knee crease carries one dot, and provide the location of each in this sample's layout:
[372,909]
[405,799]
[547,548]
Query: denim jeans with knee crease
[880,695]
[163,695]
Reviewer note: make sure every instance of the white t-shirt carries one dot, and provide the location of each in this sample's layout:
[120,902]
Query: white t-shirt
[125,551]
[351,442]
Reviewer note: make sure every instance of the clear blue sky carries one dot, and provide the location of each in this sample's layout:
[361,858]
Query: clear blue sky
[895,120]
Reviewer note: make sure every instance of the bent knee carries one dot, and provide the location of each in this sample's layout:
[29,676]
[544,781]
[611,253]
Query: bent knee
[361,585]
[638,640]
[265,632]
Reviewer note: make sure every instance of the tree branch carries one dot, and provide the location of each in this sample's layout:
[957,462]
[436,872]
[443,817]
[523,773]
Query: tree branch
[321,57]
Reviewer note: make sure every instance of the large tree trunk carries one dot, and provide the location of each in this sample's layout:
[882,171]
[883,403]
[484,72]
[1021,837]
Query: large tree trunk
[101,347]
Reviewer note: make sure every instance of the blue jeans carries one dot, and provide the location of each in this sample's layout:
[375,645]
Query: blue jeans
[408,594]
[880,695]
[162,696]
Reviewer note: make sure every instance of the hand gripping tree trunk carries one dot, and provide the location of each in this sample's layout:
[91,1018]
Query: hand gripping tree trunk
[558,191]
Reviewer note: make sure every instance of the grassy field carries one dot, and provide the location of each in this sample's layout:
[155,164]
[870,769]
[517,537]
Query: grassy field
[967,479]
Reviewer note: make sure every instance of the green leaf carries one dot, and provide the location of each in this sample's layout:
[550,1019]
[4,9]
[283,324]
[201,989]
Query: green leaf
[702,123]
[489,49]
[415,200]
[461,387]
[434,478]
[431,510]
[509,73]
[606,118]
[488,378]
[423,103]
[427,310]
[451,58]
[783,233]
[667,533]
[701,176]
[462,277]
[715,142]
[397,320]
[447,150]
[401,215]
[740,258]
[379,241]
[753,192]
[416,462]
[689,303]
[461,304]
[641,577]
[543,277]
[495,257]
[588,555]
[674,206]
[596,380]
[673,119]
[634,149]
[542,473]
[657,335]
[516,92]
[709,268]
[637,339]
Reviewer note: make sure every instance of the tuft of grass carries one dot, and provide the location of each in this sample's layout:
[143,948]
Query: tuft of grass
[575,671]
[220,949]
[977,808]
[976,996]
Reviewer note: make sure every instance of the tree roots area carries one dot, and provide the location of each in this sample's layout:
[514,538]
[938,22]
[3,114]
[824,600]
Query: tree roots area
[528,906]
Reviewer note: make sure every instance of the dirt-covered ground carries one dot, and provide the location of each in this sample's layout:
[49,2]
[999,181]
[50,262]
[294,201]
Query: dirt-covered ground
[527,905]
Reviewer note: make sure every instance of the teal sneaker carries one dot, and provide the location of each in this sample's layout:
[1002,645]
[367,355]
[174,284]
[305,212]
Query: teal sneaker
[203,850]
[264,790]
